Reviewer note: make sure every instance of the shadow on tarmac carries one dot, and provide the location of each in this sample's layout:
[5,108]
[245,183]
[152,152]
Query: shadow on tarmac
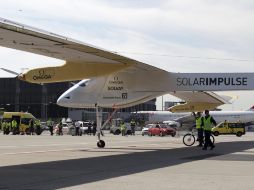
[66,173]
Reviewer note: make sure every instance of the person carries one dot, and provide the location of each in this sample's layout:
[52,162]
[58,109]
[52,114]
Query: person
[123,128]
[77,127]
[8,127]
[208,122]
[60,129]
[4,127]
[94,128]
[199,127]
[89,128]
[14,126]
[38,130]
[31,127]
[133,125]
[50,126]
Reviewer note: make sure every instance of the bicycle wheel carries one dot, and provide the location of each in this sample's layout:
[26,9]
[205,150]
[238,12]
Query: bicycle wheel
[189,139]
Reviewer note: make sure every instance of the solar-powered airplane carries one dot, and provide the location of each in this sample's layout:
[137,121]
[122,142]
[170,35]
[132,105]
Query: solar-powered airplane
[111,80]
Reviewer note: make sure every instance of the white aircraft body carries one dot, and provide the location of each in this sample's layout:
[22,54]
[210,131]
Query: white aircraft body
[219,116]
[112,80]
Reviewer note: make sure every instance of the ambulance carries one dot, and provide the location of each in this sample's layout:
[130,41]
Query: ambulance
[22,118]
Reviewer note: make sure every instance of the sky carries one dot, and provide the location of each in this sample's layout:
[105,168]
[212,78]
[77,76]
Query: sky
[175,35]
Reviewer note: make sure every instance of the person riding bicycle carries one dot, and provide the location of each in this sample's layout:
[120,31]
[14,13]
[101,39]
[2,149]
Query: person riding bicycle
[199,127]
[208,122]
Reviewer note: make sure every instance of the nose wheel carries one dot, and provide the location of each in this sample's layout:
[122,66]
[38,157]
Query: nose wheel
[101,144]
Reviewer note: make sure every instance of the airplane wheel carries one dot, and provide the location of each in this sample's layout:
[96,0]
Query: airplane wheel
[101,144]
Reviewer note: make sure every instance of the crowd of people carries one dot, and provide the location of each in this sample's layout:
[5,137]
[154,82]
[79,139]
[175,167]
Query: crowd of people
[14,127]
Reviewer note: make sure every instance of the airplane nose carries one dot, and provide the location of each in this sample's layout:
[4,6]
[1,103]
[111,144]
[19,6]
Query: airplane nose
[63,99]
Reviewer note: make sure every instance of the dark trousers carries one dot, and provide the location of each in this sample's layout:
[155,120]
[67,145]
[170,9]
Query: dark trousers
[51,130]
[77,131]
[200,136]
[208,141]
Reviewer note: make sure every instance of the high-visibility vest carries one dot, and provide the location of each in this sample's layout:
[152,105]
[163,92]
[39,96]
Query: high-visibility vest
[37,122]
[4,125]
[14,123]
[207,124]
[8,124]
[122,127]
[198,122]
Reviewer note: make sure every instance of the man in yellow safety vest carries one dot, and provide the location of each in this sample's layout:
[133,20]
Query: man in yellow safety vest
[199,127]
[14,126]
[123,128]
[208,122]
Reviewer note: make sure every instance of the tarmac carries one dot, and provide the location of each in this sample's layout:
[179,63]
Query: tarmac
[133,162]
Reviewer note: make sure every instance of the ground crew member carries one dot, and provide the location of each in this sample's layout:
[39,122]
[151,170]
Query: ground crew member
[77,128]
[133,125]
[4,127]
[60,128]
[14,126]
[31,127]
[94,128]
[8,127]
[37,127]
[50,126]
[199,127]
[208,122]
[89,128]
[122,128]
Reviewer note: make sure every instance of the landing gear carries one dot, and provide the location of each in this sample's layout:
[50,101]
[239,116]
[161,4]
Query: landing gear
[100,143]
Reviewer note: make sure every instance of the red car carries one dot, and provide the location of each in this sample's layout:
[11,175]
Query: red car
[161,131]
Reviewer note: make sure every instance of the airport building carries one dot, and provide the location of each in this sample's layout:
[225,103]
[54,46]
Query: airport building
[40,100]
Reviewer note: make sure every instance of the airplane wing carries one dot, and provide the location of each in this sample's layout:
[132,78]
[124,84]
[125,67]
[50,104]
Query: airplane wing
[198,101]
[81,60]
[117,80]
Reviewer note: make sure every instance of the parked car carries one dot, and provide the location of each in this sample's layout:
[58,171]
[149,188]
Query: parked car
[145,129]
[161,130]
[84,126]
[115,128]
[229,128]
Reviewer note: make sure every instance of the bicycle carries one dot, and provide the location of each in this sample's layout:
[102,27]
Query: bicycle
[190,138]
